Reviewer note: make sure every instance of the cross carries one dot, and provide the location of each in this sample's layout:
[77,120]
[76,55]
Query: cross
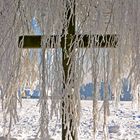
[32,41]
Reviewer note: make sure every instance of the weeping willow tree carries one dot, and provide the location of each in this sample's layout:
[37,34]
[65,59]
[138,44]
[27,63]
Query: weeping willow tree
[93,18]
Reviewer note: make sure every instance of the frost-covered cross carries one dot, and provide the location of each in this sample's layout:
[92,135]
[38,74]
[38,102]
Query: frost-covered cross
[34,41]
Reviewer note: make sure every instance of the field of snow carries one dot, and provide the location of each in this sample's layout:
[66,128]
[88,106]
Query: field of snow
[124,123]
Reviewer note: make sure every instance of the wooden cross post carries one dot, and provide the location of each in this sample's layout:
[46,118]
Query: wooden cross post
[65,62]
[35,42]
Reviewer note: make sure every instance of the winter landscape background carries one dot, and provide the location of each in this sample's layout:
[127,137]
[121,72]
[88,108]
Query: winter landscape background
[124,122]
[68,61]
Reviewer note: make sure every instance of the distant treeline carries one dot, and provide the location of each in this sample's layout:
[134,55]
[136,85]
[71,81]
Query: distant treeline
[87,91]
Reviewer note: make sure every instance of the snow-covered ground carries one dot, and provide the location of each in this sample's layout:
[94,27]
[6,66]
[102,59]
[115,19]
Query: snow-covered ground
[124,123]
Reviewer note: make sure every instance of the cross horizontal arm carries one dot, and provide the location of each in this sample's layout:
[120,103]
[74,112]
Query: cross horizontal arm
[103,41]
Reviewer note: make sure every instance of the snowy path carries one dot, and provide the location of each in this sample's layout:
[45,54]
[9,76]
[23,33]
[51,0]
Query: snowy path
[124,123]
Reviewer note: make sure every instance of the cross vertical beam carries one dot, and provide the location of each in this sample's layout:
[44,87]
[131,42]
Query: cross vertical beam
[66,50]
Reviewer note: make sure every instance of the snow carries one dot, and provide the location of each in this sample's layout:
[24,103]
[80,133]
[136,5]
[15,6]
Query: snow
[124,122]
